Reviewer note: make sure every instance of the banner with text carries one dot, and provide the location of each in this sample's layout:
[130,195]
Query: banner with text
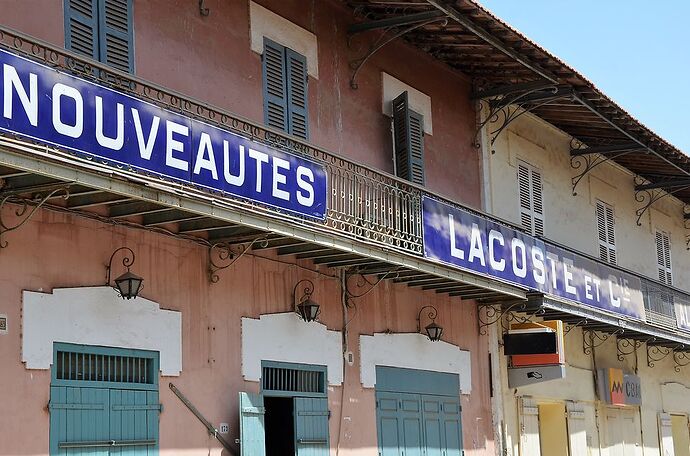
[462,239]
[55,108]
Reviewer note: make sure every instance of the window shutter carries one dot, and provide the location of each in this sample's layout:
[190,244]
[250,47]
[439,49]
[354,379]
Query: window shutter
[81,27]
[408,132]
[275,86]
[298,94]
[606,232]
[663,257]
[115,34]
[531,199]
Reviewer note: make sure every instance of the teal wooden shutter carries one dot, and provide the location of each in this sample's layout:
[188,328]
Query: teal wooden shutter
[78,415]
[408,129]
[275,86]
[134,418]
[311,426]
[452,426]
[297,80]
[252,430]
[81,27]
[115,34]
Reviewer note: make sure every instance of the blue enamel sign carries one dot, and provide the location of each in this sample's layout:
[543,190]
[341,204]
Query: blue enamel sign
[464,240]
[55,108]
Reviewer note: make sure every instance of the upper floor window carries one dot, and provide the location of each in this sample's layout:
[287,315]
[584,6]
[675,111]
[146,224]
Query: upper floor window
[102,30]
[285,89]
[606,231]
[663,257]
[530,196]
[408,132]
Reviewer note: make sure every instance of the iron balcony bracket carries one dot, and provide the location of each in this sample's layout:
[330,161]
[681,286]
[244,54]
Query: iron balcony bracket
[591,339]
[585,159]
[578,324]
[503,105]
[391,31]
[222,255]
[625,347]
[680,359]
[686,224]
[488,314]
[363,282]
[27,207]
[656,353]
[648,193]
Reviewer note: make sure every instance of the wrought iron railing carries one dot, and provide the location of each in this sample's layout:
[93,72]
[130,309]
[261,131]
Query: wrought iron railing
[364,203]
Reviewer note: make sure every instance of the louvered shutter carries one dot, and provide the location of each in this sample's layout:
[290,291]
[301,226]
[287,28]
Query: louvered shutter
[606,232]
[297,94]
[408,128]
[115,33]
[531,199]
[663,257]
[275,86]
[81,27]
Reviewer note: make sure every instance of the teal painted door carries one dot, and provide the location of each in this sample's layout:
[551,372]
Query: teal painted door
[416,424]
[311,426]
[252,430]
[103,421]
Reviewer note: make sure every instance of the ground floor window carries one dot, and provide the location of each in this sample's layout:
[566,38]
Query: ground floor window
[289,416]
[103,401]
[417,412]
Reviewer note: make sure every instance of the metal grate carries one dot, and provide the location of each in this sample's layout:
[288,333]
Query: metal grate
[292,380]
[103,368]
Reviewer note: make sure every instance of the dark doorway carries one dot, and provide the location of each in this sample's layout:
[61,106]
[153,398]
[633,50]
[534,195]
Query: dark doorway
[280,428]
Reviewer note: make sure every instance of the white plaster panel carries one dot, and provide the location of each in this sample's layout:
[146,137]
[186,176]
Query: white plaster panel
[419,101]
[412,351]
[284,337]
[675,397]
[98,316]
[265,23]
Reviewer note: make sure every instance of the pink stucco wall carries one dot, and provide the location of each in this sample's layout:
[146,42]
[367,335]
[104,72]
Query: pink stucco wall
[56,250]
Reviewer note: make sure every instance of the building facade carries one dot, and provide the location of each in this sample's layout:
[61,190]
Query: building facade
[323,206]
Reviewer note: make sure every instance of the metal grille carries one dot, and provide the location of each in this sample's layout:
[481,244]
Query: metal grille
[292,380]
[659,304]
[103,368]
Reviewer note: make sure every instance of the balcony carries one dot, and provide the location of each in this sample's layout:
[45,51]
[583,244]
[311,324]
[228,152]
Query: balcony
[377,210]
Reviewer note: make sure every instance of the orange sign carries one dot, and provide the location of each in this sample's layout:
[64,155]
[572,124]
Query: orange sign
[616,386]
[540,360]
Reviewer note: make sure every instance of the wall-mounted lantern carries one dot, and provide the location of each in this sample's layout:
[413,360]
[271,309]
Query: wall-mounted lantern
[433,330]
[307,309]
[128,284]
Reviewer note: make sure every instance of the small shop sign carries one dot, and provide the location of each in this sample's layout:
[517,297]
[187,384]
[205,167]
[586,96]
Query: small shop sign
[618,388]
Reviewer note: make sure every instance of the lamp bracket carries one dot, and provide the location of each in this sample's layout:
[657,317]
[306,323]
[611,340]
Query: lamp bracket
[625,347]
[127,261]
[27,207]
[592,339]
[488,314]
[222,255]
[306,292]
[433,313]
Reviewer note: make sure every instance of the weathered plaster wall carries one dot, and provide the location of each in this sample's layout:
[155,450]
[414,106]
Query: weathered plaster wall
[57,250]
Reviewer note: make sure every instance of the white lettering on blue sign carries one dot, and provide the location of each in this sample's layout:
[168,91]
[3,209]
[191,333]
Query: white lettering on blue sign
[59,109]
[459,238]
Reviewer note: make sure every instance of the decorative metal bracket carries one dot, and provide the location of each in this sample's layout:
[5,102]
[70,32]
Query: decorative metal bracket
[506,104]
[681,359]
[648,193]
[591,339]
[586,159]
[656,353]
[487,315]
[23,212]
[391,31]
[570,327]
[362,282]
[222,255]
[625,347]
[686,224]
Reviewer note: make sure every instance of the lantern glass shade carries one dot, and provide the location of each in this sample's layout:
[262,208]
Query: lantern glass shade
[308,310]
[129,285]
[434,331]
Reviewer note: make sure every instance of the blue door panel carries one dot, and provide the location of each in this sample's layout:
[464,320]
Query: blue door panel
[311,426]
